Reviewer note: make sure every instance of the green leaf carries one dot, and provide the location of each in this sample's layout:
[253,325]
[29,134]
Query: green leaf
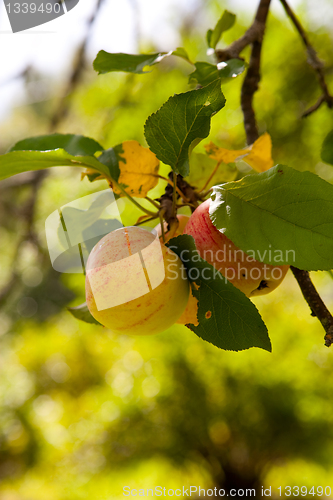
[106,62]
[76,145]
[209,37]
[281,216]
[226,21]
[227,318]
[17,162]
[82,313]
[181,52]
[327,149]
[205,72]
[183,119]
[110,158]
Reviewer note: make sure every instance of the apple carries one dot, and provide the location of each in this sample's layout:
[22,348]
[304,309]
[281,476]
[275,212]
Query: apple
[250,276]
[135,284]
[190,313]
[182,221]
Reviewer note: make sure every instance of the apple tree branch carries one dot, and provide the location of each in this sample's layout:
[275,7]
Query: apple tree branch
[254,36]
[313,60]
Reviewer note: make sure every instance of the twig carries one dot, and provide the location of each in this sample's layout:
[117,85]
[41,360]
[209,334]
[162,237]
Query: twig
[156,205]
[139,222]
[210,177]
[255,32]
[315,302]
[315,106]
[313,60]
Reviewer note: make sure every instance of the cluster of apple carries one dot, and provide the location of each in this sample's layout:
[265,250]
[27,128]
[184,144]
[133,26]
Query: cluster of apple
[136,285]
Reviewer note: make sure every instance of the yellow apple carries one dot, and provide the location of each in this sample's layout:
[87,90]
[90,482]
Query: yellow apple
[250,276]
[134,283]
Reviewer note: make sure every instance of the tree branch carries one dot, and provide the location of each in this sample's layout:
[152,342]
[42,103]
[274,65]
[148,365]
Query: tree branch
[252,78]
[313,60]
[315,302]
[254,32]
[250,86]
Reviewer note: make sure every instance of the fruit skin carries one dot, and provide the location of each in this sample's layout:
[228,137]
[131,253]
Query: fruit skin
[250,276]
[115,273]
[191,311]
[182,219]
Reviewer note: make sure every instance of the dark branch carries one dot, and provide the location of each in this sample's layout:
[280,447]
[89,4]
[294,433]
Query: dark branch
[250,86]
[252,78]
[315,106]
[255,32]
[166,200]
[313,60]
[315,302]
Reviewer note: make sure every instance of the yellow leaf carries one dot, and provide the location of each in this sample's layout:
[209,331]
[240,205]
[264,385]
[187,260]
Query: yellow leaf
[92,171]
[138,169]
[260,156]
[225,155]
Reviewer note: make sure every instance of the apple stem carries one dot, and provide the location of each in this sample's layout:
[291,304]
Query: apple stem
[161,215]
[210,177]
[145,210]
[174,194]
[156,205]
[144,219]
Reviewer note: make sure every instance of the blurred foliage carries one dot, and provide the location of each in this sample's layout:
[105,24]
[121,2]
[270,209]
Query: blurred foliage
[83,412]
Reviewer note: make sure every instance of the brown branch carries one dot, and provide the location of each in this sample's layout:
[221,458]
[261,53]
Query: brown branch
[313,60]
[250,86]
[184,191]
[252,78]
[315,302]
[314,107]
[254,32]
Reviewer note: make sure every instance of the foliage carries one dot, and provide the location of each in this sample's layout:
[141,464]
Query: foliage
[84,412]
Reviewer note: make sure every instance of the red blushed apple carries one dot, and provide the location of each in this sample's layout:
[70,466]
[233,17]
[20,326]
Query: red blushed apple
[134,283]
[250,276]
